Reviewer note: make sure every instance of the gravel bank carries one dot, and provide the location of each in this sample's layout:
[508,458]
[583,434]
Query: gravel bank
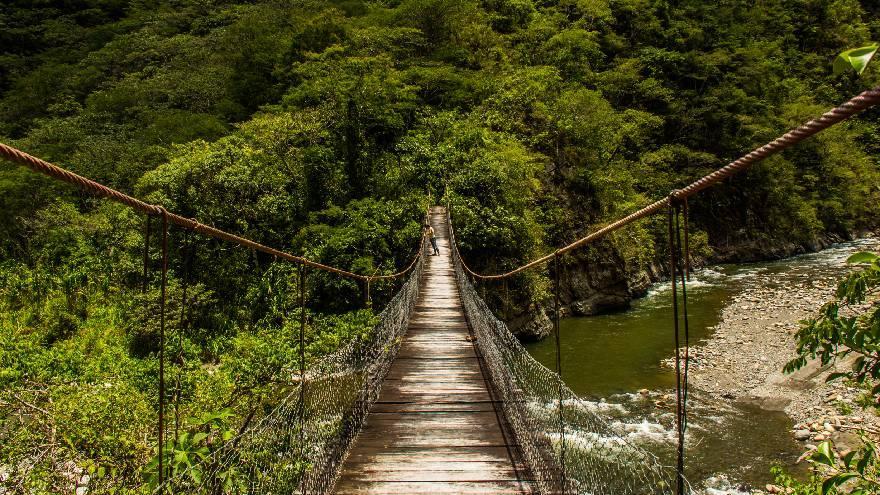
[743,361]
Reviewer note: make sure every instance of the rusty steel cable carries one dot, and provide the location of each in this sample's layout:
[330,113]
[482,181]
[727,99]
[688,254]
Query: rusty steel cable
[162,345]
[186,255]
[56,172]
[556,321]
[673,276]
[863,101]
[145,281]
[684,250]
[301,283]
[685,211]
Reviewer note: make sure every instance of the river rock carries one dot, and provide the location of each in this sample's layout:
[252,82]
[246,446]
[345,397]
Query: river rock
[802,435]
[532,326]
[599,303]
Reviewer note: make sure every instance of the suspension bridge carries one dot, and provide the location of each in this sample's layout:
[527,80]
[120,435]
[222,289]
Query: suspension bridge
[440,397]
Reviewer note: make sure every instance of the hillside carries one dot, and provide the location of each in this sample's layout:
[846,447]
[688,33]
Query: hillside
[326,129]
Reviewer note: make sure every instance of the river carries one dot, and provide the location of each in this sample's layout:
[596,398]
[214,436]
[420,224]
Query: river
[731,445]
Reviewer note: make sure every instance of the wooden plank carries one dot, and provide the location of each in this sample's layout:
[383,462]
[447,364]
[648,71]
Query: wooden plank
[431,454]
[428,364]
[434,387]
[395,407]
[424,369]
[437,471]
[438,398]
[405,464]
[433,375]
[447,420]
[427,440]
[439,352]
[351,487]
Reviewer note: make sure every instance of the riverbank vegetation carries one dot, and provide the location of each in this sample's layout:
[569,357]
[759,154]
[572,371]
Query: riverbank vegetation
[326,129]
[846,331]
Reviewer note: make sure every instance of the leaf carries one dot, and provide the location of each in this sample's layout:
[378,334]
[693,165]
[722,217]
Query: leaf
[828,485]
[857,364]
[835,376]
[837,480]
[862,257]
[863,462]
[856,59]
[198,437]
[824,455]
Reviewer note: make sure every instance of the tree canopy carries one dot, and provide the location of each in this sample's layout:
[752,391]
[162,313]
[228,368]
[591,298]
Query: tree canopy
[325,128]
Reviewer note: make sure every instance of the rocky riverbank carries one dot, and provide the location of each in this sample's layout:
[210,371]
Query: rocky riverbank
[590,287]
[743,361]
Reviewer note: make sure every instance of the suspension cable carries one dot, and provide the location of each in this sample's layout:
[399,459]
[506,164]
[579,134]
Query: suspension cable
[863,101]
[56,172]
[145,281]
[162,345]
[559,380]
[186,254]
[302,365]
[673,276]
[684,251]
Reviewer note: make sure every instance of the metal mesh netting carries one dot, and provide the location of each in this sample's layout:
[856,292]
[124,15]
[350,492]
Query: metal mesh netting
[300,446]
[569,449]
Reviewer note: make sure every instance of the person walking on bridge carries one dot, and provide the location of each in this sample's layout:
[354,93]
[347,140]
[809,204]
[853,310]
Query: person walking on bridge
[433,237]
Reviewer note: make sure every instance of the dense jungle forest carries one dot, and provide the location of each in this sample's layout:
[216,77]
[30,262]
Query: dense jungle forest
[325,129]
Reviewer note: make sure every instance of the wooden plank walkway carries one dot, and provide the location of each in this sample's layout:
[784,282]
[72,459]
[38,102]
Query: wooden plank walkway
[435,428]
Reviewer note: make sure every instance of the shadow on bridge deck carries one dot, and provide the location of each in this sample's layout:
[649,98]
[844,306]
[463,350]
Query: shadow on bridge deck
[435,428]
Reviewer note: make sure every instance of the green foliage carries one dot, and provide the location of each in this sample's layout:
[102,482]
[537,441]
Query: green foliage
[321,128]
[842,330]
[182,456]
[859,469]
[856,59]
[793,486]
[856,472]
[845,329]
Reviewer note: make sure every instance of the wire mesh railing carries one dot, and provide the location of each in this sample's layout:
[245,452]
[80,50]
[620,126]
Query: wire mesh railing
[568,447]
[300,445]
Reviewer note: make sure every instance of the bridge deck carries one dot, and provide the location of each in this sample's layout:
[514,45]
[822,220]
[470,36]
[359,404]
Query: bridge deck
[435,428]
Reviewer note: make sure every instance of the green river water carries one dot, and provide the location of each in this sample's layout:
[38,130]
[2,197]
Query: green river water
[731,446]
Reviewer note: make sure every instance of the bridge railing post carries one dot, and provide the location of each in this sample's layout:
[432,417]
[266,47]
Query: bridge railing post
[164,281]
[302,373]
[560,383]
[679,273]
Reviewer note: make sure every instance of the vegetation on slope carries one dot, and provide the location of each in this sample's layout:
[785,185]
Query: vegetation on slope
[322,128]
